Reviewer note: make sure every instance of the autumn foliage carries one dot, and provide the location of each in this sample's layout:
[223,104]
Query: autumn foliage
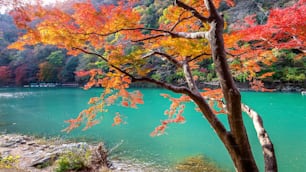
[87,29]
[188,33]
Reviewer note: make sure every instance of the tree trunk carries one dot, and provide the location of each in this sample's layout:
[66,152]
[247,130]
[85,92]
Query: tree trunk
[241,154]
[237,142]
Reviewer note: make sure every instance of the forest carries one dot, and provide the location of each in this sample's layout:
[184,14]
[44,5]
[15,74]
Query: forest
[49,64]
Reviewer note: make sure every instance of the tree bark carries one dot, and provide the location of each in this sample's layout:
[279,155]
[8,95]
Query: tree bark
[243,158]
[264,139]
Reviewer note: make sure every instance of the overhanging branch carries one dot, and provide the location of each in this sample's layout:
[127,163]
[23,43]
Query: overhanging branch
[106,60]
[176,89]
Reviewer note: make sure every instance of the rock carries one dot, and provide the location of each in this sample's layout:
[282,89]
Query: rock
[11,141]
[26,138]
[44,160]
[16,140]
[25,149]
[29,153]
[31,143]
[46,146]
[5,153]
[8,144]
[40,157]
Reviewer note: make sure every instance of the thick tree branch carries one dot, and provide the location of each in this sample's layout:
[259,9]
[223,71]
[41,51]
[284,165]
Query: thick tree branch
[264,140]
[188,76]
[187,35]
[127,29]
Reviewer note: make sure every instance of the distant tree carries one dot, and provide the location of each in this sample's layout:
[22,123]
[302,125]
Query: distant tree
[21,75]
[56,58]
[5,75]
[68,72]
[50,70]
[47,73]
[188,33]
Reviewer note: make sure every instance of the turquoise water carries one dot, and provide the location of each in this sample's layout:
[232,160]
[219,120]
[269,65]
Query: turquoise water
[42,112]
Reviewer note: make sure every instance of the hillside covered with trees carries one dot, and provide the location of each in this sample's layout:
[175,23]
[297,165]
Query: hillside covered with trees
[41,63]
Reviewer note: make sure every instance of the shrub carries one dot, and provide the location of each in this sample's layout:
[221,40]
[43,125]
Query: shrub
[71,161]
[197,164]
[8,162]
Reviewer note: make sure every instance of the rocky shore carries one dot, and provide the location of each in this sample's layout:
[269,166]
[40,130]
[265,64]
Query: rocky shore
[20,153]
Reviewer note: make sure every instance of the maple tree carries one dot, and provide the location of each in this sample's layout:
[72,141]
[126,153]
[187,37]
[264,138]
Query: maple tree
[188,33]
[4,74]
[284,29]
[49,71]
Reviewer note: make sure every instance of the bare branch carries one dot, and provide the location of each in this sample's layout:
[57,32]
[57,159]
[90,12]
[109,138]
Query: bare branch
[170,58]
[165,55]
[192,10]
[179,21]
[235,55]
[264,140]
[150,37]
[198,56]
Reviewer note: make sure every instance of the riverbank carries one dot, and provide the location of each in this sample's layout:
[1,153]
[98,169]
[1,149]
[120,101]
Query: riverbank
[277,86]
[21,153]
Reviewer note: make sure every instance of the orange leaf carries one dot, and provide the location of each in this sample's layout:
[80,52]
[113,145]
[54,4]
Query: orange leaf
[125,103]
[266,75]
[117,119]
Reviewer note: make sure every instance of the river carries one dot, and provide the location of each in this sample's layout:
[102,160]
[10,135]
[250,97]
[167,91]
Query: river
[42,112]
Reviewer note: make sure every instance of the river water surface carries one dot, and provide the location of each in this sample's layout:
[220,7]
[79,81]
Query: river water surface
[42,112]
